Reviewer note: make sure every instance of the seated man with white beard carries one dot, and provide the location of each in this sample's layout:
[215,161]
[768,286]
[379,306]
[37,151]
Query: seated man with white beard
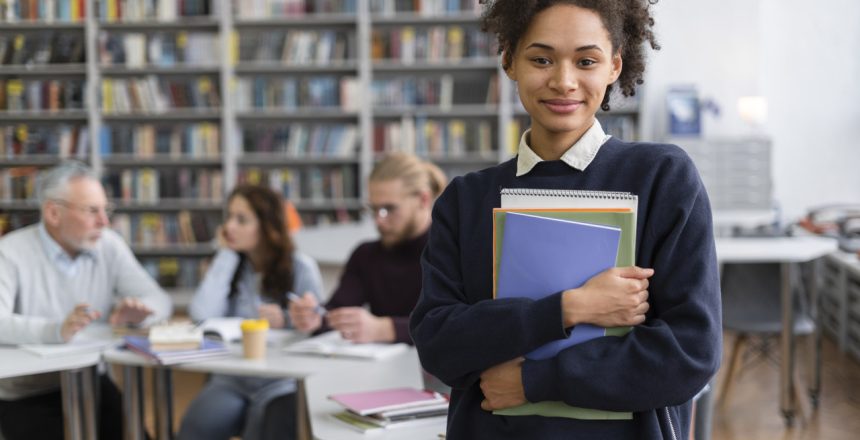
[56,278]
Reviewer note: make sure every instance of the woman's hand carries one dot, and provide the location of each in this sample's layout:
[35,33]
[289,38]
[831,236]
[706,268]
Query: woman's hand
[614,298]
[272,313]
[303,313]
[502,385]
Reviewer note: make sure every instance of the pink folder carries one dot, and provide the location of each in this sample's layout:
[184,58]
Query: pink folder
[371,402]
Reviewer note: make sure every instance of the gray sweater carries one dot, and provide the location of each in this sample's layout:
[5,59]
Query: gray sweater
[36,295]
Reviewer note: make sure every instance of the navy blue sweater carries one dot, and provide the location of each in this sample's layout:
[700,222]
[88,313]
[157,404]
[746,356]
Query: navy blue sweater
[654,371]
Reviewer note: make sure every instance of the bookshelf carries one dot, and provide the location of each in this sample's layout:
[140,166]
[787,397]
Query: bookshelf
[175,102]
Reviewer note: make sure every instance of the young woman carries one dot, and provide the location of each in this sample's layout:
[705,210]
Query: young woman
[249,277]
[566,56]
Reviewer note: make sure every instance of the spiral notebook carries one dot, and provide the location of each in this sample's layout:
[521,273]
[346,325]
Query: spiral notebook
[599,208]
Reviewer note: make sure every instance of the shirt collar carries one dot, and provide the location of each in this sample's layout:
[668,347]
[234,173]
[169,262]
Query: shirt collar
[578,156]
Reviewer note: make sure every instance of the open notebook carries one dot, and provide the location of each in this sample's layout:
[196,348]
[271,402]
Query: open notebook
[332,344]
[94,338]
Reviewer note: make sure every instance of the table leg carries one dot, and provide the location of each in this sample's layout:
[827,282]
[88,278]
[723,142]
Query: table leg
[786,395]
[70,386]
[814,298]
[91,400]
[303,422]
[132,402]
[162,402]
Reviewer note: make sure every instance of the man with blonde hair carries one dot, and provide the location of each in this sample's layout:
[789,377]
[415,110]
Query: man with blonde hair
[384,274]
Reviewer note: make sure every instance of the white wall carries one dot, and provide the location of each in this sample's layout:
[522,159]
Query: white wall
[804,57]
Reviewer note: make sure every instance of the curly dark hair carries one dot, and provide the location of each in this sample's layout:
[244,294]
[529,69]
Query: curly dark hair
[277,246]
[629,23]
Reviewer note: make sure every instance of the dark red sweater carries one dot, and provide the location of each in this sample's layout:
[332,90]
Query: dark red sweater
[387,279]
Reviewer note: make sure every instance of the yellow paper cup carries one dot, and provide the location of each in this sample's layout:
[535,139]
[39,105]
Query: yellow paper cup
[254,338]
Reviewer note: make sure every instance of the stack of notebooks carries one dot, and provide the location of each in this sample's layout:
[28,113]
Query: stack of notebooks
[176,343]
[372,411]
[546,241]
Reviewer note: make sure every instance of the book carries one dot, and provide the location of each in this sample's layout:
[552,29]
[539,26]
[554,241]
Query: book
[541,256]
[377,401]
[332,344]
[226,329]
[612,208]
[372,424]
[209,349]
[622,218]
[175,337]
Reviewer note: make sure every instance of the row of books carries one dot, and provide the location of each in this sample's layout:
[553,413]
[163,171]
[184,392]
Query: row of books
[45,94]
[257,9]
[149,185]
[62,141]
[151,229]
[301,140]
[137,49]
[424,7]
[161,10]
[152,94]
[434,43]
[435,138]
[176,272]
[10,221]
[311,184]
[45,10]
[42,48]
[297,46]
[270,92]
[148,140]
[339,215]
[18,183]
[620,126]
[435,91]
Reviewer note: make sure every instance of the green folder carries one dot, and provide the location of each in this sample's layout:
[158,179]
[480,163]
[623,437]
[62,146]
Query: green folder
[626,220]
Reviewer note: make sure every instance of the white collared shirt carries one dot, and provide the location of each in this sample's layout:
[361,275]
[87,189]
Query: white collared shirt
[578,156]
[62,260]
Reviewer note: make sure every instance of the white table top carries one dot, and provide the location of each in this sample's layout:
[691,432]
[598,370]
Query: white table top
[276,364]
[743,218]
[18,362]
[773,249]
[323,376]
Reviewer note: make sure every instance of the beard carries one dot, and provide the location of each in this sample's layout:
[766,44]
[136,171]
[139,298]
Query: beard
[84,243]
[394,238]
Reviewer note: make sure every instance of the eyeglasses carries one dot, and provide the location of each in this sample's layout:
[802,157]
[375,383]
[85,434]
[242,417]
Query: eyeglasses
[381,211]
[92,211]
[388,209]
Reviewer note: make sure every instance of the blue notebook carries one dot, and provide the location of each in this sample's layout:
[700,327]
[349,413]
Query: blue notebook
[541,256]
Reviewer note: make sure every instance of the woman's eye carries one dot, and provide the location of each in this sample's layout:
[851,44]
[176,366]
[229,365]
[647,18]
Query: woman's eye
[586,62]
[541,60]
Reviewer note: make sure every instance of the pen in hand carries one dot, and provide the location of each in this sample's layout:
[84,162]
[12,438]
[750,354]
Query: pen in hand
[319,309]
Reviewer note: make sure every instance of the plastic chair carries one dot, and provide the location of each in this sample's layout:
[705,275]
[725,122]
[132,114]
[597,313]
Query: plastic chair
[751,309]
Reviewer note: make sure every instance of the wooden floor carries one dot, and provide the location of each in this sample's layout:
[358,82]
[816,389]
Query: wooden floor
[751,411]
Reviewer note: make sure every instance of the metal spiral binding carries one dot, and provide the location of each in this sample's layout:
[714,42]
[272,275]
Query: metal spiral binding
[577,193]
